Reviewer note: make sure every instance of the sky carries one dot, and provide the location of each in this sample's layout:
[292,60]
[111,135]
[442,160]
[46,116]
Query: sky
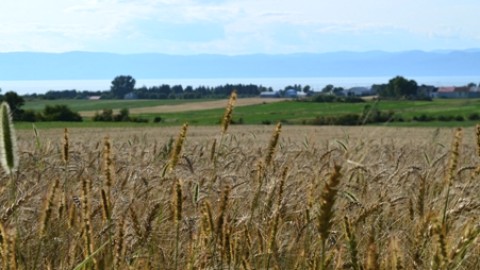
[235,27]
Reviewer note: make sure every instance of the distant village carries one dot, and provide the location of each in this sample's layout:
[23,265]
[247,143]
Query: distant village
[470,91]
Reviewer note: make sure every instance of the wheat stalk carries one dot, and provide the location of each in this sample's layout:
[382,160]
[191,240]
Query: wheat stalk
[227,116]
[175,152]
[177,217]
[86,219]
[352,244]
[371,261]
[65,146]
[48,208]
[8,141]
[108,168]
[325,218]
[452,167]
[273,144]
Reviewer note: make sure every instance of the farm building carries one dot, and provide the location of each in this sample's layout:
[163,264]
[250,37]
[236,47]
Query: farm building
[130,95]
[457,92]
[291,93]
[94,97]
[358,91]
[270,94]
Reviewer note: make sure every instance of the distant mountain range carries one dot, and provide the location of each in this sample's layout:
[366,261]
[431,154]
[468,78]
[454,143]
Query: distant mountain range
[93,66]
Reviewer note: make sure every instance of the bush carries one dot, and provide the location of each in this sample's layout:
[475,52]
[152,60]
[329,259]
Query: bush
[331,98]
[122,116]
[237,122]
[157,119]
[60,113]
[106,116]
[266,122]
[30,116]
[138,120]
[423,118]
[351,119]
[474,116]
[446,118]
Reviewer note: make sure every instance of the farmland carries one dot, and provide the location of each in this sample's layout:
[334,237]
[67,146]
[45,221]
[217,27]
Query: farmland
[257,197]
[252,197]
[261,111]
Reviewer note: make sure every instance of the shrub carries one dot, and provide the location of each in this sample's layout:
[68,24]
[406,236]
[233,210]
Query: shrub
[423,118]
[30,116]
[106,115]
[157,119]
[347,119]
[474,116]
[266,122]
[331,98]
[122,116]
[138,120]
[446,118]
[459,118]
[60,113]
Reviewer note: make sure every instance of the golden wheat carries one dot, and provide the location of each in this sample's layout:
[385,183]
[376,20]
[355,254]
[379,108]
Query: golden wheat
[243,213]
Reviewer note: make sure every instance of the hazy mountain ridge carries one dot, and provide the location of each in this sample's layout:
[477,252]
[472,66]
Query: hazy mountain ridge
[93,65]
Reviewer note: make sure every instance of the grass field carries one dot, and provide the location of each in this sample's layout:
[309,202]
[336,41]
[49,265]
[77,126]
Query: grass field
[259,111]
[80,105]
[255,198]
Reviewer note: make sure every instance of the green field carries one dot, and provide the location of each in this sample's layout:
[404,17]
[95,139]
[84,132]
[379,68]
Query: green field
[79,105]
[296,112]
[291,112]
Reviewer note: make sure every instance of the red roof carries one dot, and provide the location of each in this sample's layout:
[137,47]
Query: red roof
[449,89]
[452,89]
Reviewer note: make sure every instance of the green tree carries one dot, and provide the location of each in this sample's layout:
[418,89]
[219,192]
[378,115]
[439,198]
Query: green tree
[122,85]
[399,87]
[307,89]
[15,102]
[106,115]
[122,116]
[60,113]
[328,89]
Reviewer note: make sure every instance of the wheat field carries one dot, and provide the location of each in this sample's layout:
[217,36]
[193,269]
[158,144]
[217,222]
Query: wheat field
[253,197]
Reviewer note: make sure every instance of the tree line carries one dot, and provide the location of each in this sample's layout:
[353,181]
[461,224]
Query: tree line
[49,113]
[124,86]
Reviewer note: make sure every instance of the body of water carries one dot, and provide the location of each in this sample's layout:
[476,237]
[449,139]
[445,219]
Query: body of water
[317,83]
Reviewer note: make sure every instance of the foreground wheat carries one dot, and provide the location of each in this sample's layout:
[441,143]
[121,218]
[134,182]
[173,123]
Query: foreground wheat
[8,141]
[278,201]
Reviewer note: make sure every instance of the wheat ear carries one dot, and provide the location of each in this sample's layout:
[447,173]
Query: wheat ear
[65,146]
[352,244]
[48,208]
[452,167]
[327,200]
[227,117]
[8,141]
[87,222]
[273,144]
[175,152]
[178,202]
[108,168]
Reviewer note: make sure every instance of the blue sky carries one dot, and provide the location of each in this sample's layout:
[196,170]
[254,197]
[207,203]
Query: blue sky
[235,27]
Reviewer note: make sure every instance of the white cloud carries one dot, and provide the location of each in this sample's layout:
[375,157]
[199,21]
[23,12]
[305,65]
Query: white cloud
[249,26]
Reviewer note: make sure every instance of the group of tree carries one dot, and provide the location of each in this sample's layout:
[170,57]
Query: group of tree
[333,90]
[396,88]
[49,113]
[299,88]
[124,86]
[123,115]
[402,88]
[370,114]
